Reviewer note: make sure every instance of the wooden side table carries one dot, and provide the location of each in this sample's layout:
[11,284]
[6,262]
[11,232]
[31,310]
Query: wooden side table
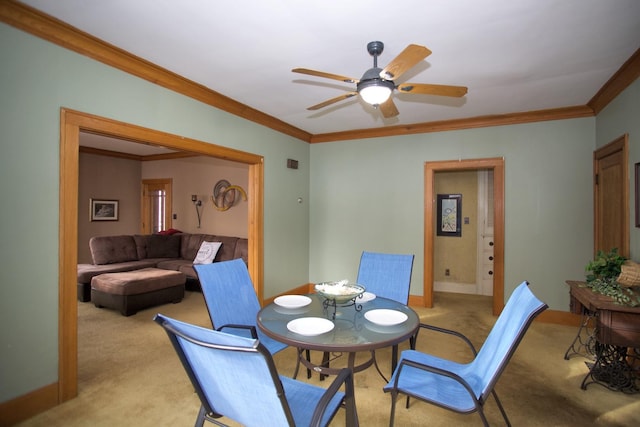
[615,341]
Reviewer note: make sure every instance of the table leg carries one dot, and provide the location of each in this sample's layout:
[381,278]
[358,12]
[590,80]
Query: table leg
[614,369]
[584,342]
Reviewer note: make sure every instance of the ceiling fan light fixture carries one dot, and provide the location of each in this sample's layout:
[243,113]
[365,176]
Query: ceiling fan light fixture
[375,91]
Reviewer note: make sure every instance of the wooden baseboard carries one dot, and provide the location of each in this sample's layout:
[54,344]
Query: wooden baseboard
[21,408]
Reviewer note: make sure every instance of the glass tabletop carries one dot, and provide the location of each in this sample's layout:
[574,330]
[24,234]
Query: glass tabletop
[351,328]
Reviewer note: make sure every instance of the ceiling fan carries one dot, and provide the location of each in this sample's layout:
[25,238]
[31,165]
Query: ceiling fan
[377,84]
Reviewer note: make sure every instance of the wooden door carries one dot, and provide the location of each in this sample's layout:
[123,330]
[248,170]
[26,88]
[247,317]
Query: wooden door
[611,197]
[156,205]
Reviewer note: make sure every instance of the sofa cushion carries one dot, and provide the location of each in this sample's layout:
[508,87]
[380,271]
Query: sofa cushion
[190,245]
[228,248]
[160,246]
[113,249]
[141,245]
[137,281]
[242,250]
[173,264]
[207,252]
[87,271]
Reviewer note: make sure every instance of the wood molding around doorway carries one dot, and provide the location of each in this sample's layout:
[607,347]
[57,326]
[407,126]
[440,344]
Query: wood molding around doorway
[71,124]
[430,168]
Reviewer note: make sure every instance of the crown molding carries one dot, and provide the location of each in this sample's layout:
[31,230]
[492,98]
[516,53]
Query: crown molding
[626,75]
[470,123]
[55,31]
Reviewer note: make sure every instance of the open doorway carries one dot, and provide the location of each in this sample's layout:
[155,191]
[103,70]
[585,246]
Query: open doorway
[71,124]
[431,168]
[156,205]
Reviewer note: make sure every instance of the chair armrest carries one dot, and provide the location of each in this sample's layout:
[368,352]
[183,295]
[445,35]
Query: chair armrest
[436,371]
[252,329]
[345,376]
[449,332]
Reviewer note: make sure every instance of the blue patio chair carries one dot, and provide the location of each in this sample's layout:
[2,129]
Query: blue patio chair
[465,387]
[232,301]
[387,276]
[235,377]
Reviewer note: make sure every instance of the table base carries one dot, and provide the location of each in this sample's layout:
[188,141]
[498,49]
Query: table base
[324,369]
[585,341]
[614,369]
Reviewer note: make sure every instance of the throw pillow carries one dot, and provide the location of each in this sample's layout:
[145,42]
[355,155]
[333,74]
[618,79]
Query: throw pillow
[207,252]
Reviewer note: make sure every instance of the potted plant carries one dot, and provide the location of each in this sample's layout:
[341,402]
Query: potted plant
[602,277]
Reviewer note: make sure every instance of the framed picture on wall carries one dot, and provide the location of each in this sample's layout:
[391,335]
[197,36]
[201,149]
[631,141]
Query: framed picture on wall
[103,210]
[449,215]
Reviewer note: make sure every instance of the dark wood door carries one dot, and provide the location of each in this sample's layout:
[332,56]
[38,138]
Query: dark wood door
[611,200]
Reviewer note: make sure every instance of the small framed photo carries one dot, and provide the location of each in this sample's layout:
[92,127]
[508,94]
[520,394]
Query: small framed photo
[449,215]
[103,210]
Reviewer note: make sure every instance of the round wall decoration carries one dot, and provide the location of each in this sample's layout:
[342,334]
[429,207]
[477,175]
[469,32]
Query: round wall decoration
[225,195]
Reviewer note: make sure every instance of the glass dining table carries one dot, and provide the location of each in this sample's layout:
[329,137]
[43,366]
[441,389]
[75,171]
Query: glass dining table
[361,325]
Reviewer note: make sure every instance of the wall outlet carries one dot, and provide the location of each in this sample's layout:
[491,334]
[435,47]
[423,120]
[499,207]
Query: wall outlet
[447,272]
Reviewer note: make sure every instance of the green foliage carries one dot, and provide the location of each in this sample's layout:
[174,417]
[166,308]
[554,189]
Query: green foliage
[602,273]
[611,288]
[605,266]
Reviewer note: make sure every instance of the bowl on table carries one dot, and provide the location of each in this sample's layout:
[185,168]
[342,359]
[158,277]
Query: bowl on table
[340,292]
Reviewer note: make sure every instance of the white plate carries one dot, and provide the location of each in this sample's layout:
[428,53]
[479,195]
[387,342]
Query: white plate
[292,301]
[366,297]
[310,326]
[385,317]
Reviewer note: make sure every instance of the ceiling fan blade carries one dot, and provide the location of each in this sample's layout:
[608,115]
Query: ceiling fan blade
[332,101]
[388,108]
[409,57]
[427,89]
[325,75]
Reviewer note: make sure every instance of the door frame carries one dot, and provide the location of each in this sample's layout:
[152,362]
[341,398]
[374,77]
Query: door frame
[71,124]
[430,169]
[144,202]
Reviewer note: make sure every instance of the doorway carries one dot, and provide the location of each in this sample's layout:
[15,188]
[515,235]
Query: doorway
[156,205]
[497,166]
[71,124]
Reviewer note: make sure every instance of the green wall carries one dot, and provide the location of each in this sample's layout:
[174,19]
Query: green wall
[356,195]
[368,195]
[36,80]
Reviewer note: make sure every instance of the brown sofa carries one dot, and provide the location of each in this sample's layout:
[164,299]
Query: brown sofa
[113,254]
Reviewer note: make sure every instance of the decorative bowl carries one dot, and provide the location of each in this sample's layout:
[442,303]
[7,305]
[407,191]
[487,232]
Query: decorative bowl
[340,292]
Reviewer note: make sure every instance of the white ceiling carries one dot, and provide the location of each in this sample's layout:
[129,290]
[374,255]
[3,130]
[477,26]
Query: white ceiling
[513,55]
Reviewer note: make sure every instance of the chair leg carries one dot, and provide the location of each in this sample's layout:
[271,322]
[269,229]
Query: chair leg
[502,411]
[394,397]
[201,417]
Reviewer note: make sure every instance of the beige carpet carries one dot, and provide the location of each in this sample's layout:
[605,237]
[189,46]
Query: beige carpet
[129,374]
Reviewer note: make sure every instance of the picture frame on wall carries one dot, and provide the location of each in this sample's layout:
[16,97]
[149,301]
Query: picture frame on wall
[449,215]
[103,210]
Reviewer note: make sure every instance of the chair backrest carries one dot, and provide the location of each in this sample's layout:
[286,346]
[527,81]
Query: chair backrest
[231,299]
[386,275]
[504,338]
[228,292]
[233,376]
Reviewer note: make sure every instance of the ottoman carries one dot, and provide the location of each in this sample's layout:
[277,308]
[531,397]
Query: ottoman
[130,291]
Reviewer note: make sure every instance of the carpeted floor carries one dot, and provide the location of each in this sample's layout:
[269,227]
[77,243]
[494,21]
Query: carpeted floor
[129,374]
